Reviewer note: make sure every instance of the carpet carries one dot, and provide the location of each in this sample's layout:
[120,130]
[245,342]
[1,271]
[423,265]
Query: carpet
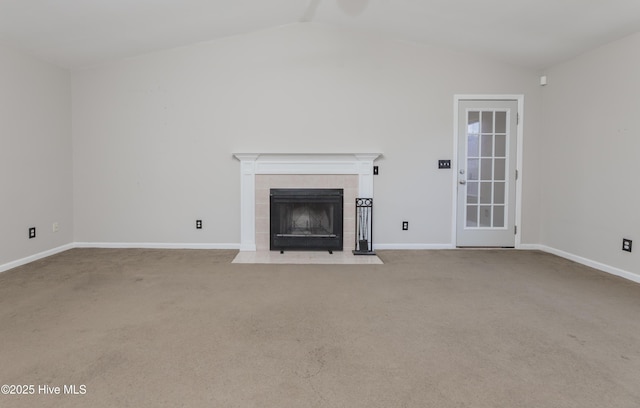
[187,328]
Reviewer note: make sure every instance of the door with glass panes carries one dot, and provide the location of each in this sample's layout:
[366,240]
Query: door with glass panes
[487,135]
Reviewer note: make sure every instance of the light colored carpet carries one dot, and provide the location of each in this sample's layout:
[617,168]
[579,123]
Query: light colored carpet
[186,328]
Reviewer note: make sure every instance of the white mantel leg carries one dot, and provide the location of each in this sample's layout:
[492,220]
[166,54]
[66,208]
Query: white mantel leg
[365,175]
[248,203]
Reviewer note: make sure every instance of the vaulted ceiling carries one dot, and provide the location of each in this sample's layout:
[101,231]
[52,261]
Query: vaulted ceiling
[530,33]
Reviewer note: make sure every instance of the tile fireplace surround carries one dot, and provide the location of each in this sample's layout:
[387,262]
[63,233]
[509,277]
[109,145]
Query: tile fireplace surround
[259,172]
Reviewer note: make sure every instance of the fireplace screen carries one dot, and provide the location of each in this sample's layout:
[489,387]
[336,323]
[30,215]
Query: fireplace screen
[309,219]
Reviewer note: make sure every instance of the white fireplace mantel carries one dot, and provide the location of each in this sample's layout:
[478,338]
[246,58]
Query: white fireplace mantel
[295,163]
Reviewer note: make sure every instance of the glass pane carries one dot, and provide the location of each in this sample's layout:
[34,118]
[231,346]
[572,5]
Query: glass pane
[485,216]
[501,146]
[487,122]
[485,193]
[473,122]
[486,171]
[472,169]
[498,193]
[472,216]
[501,122]
[500,169]
[472,193]
[487,146]
[498,217]
[472,145]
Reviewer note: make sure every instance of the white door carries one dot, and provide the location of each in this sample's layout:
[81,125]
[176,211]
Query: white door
[487,136]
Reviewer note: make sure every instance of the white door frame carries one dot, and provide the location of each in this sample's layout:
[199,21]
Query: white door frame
[519,138]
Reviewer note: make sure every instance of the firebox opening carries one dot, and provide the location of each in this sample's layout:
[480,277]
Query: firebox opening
[306,219]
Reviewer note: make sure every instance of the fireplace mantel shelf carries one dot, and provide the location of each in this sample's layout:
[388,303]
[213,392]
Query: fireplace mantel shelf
[251,164]
[306,155]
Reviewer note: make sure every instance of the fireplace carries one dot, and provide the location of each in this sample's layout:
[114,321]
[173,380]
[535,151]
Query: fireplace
[259,172]
[306,219]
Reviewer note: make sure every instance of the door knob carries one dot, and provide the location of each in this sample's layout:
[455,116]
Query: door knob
[463,181]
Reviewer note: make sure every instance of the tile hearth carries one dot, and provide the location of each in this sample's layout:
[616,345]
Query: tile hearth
[305,258]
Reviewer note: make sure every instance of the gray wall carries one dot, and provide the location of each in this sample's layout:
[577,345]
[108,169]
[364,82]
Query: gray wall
[591,198]
[35,156]
[153,135]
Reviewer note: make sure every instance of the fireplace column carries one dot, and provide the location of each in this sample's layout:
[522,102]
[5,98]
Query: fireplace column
[247,201]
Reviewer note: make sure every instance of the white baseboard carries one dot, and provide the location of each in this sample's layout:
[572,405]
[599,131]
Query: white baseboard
[153,245]
[148,245]
[123,245]
[532,247]
[36,257]
[412,246]
[591,263]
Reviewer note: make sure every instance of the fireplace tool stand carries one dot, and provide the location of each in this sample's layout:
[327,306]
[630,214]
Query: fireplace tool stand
[364,227]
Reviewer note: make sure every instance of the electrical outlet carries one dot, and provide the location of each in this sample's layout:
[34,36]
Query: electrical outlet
[55,227]
[626,244]
[405,225]
[444,164]
[375,170]
[32,232]
[198,224]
